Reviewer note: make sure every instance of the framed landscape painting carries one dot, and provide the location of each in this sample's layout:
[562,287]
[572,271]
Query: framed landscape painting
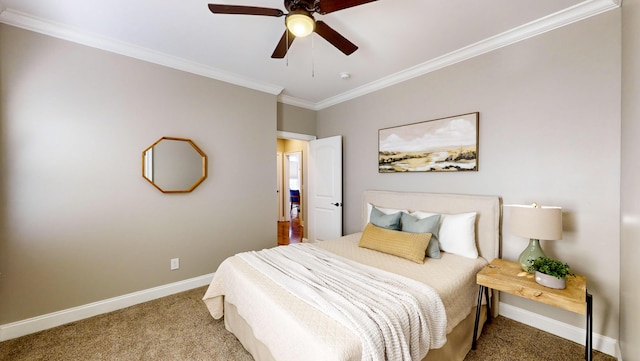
[440,145]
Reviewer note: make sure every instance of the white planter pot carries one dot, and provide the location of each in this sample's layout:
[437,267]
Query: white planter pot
[550,281]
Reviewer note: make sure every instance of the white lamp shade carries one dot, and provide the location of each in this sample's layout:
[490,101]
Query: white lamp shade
[536,222]
[300,24]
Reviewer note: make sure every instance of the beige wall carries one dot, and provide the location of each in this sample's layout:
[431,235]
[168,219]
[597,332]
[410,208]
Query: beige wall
[630,191]
[296,120]
[549,132]
[78,222]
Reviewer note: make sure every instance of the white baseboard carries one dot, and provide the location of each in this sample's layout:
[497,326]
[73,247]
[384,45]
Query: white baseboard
[601,343]
[39,323]
[618,351]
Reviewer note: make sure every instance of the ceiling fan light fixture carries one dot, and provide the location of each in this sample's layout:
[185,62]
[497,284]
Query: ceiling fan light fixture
[300,23]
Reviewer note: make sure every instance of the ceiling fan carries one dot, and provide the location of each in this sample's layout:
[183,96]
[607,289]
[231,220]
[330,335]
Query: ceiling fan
[299,21]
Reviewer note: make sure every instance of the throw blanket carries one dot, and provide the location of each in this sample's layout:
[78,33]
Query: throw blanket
[400,323]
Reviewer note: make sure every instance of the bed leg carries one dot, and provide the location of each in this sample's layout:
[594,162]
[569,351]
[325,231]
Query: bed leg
[475,327]
[588,346]
[486,293]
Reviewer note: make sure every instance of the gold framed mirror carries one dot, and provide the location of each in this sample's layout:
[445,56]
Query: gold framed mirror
[174,165]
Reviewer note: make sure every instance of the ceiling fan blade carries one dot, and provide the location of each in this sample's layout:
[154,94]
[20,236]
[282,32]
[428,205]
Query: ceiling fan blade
[329,6]
[282,47]
[244,10]
[335,38]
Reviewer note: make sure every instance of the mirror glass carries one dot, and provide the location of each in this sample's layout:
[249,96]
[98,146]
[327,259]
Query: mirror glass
[174,165]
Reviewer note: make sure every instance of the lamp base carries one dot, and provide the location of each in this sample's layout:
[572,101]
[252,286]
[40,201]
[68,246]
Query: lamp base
[532,252]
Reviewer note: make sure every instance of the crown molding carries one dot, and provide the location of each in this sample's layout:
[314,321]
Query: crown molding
[28,22]
[581,11]
[559,19]
[287,99]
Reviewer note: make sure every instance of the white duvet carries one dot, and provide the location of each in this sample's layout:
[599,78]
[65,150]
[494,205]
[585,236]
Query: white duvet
[312,334]
[395,318]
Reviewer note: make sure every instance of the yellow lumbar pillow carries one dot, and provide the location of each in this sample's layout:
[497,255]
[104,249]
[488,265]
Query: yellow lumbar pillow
[407,245]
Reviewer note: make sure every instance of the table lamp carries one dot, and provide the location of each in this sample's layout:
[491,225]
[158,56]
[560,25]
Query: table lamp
[535,222]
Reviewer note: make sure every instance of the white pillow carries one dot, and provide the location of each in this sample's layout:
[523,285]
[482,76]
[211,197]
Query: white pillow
[457,233]
[423,215]
[383,210]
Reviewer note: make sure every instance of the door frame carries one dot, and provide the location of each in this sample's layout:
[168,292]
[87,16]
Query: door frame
[295,136]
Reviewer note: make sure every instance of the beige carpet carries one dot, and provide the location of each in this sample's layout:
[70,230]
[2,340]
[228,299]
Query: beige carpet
[179,327]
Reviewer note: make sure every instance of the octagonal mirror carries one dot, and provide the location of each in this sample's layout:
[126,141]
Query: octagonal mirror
[174,165]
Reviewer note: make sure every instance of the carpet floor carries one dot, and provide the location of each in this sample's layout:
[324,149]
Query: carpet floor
[179,327]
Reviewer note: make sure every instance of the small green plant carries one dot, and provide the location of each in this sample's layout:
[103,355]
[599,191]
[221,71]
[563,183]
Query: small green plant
[550,267]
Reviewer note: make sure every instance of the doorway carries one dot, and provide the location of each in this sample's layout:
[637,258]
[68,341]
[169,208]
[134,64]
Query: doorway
[292,151]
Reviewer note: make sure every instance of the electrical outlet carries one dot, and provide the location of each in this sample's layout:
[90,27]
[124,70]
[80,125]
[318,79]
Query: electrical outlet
[175,263]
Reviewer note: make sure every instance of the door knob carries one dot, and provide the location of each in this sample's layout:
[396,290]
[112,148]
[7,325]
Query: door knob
[337,204]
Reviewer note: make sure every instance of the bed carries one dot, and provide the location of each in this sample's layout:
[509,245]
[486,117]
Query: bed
[275,324]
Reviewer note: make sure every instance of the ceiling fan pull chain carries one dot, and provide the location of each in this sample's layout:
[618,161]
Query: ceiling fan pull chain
[313,53]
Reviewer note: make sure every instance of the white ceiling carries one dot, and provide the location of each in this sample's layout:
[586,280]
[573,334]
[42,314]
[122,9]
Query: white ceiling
[397,39]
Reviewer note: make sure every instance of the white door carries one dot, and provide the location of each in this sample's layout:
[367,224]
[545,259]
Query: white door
[325,189]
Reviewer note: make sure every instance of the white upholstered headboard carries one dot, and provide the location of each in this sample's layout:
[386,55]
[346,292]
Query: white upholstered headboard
[487,208]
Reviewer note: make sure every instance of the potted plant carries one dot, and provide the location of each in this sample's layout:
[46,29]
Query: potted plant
[550,272]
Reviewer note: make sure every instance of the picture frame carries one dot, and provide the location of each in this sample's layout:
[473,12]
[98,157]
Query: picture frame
[440,145]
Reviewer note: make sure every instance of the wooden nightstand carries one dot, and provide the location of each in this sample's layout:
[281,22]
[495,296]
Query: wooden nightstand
[507,276]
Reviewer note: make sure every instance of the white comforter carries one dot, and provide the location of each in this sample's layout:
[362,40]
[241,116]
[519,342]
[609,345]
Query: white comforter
[395,318]
[312,334]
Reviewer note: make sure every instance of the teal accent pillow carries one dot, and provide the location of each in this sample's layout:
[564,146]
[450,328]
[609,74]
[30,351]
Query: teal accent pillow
[433,249]
[388,221]
[412,224]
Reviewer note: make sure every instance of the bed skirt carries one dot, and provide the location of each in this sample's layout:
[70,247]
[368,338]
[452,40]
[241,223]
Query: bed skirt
[457,346]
